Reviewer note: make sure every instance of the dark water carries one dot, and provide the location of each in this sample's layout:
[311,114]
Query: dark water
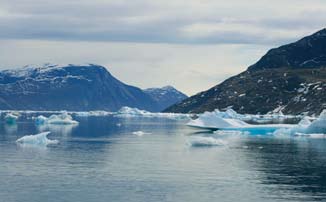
[102,160]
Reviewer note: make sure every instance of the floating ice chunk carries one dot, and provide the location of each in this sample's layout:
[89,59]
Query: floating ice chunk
[127,112]
[205,142]
[208,118]
[319,125]
[61,119]
[40,120]
[304,122]
[93,113]
[305,126]
[211,121]
[38,139]
[140,133]
[11,118]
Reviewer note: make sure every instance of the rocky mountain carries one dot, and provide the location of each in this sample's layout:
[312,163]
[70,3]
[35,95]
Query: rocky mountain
[165,96]
[291,79]
[69,87]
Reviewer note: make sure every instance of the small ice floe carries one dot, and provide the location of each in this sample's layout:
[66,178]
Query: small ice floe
[61,119]
[140,133]
[205,142]
[40,120]
[38,139]
[11,118]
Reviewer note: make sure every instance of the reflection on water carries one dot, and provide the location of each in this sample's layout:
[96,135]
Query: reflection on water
[295,168]
[59,129]
[11,128]
[102,159]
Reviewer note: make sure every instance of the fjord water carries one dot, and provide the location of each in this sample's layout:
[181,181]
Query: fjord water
[103,159]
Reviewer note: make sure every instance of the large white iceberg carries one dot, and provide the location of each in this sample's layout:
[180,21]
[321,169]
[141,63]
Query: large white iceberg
[213,122]
[61,119]
[231,114]
[231,120]
[38,139]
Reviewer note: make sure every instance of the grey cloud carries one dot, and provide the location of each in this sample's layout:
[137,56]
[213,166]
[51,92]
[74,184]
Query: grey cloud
[153,22]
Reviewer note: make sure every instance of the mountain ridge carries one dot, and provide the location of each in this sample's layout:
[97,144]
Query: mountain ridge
[165,96]
[69,87]
[282,79]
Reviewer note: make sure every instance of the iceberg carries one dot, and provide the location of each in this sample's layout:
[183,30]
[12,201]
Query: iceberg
[200,141]
[38,139]
[231,114]
[61,119]
[306,128]
[132,112]
[11,118]
[93,113]
[319,125]
[212,122]
[40,120]
[128,112]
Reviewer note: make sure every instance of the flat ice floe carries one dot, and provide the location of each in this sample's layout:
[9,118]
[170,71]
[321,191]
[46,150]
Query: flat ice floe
[200,141]
[38,139]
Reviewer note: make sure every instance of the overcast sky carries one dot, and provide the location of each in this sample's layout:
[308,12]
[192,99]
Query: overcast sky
[190,44]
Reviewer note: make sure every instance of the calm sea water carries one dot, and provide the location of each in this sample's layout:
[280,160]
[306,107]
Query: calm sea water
[102,160]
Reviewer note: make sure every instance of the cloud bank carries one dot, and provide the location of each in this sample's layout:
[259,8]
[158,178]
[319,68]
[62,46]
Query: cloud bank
[190,44]
[161,21]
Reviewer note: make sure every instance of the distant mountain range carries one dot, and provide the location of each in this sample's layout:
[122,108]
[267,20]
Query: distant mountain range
[291,79]
[77,88]
[165,96]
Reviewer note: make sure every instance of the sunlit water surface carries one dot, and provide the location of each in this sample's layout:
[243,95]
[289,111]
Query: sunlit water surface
[102,159]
